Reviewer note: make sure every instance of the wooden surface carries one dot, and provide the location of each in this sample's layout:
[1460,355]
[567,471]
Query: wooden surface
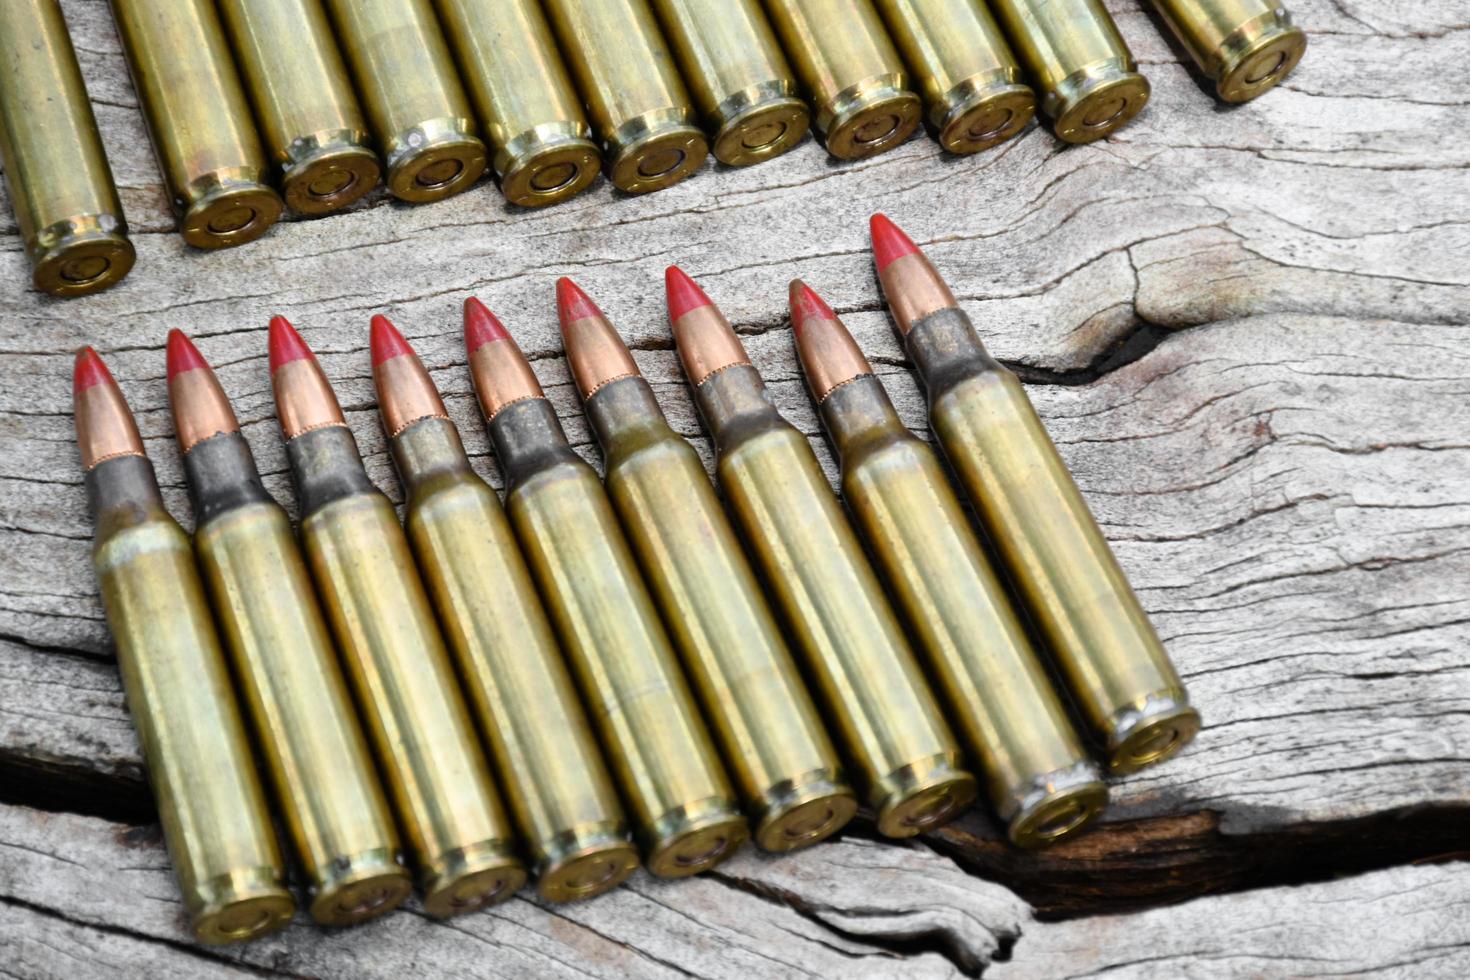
[1247,330]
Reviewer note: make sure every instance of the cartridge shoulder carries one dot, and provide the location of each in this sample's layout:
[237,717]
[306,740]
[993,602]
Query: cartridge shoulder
[667,451]
[158,534]
[448,494]
[243,523]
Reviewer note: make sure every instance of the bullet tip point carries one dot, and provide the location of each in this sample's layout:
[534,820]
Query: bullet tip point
[683,292]
[89,371]
[481,327]
[572,303]
[807,305]
[387,343]
[889,242]
[286,344]
[182,354]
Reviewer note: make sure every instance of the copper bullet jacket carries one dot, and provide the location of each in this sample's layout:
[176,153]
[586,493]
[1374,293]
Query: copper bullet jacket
[1245,46]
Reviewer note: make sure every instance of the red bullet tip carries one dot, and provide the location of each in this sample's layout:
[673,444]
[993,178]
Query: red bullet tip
[889,242]
[684,293]
[182,354]
[481,327]
[572,303]
[387,342]
[89,372]
[286,344]
[807,305]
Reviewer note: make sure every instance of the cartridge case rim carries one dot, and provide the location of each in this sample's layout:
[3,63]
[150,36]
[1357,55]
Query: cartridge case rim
[470,878]
[548,164]
[1258,55]
[601,851]
[329,171]
[1150,730]
[361,887]
[81,255]
[983,111]
[1055,806]
[240,906]
[924,795]
[435,159]
[654,150]
[803,812]
[869,117]
[1096,100]
[694,838]
[759,122]
[231,207]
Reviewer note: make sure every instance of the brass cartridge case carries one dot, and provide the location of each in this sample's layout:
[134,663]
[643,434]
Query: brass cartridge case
[304,104]
[199,120]
[415,102]
[1244,46]
[857,84]
[741,82]
[540,141]
[974,94]
[1078,62]
[639,106]
[60,183]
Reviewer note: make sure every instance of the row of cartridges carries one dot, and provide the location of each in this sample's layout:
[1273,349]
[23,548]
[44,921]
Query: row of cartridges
[325,99]
[603,671]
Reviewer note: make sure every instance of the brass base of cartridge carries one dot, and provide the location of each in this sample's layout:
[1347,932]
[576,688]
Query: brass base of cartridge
[436,159]
[81,255]
[924,795]
[231,207]
[695,838]
[759,123]
[798,814]
[982,111]
[240,906]
[471,878]
[1257,56]
[328,172]
[1055,806]
[359,888]
[586,863]
[1150,730]
[870,117]
[653,151]
[1091,103]
[547,164]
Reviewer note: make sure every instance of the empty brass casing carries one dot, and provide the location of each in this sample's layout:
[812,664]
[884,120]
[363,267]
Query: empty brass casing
[741,82]
[852,75]
[529,112]
[639,106]
[60,184]
[550,768]
[213,165]
[1080,65]
[414,100]
[308,114]
[974,94]
[1244,46]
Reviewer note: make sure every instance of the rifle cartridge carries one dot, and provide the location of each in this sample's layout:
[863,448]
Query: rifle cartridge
[1040,780]
[773,741]
[199,121]
[741,82]
[1244,46]
[1080,65]
[540,741]
[304,104]
[864,674]
[199,762]
[852,74]
[974,94]
[60,183]
[291,683]
[529,113]
[413,96]
[1106,650]
[684,813]
[436,773]
[639,106]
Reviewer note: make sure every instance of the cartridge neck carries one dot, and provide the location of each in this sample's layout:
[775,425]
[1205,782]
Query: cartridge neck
[222,476]
[327,467]
[122,492]
[735,406]
[946,350]
[428,449]
[528,438]
[625,413]
[858,415]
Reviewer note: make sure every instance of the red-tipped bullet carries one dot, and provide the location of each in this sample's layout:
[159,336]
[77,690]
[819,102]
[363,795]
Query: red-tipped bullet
[481,327]
[387,342]
[304,396]
[595,351]
[684,293]
[105,427]
[286,344]
[571,303]
[200,408]
[501,373]
[89,371]
[912,286]
[182,354]
[807,306]
[406,393]
[829,355]
[889,241]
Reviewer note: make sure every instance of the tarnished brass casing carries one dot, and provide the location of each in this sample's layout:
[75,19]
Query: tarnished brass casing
[852,75]
[415,102]
[436,772]
[529,112]
[304,104]
[683,808]
[865,676]
[1078,62]
[213,166]
[741,82]
[774,742]
[60,184]
[199,761]
[1244,46]
[293,689]
[549,765]
[974,93]
[630,84]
